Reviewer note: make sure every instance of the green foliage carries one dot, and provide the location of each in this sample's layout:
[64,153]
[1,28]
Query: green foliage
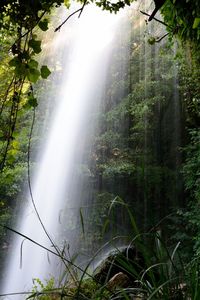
[35,46]
[183,20]
[189,88]
[112,7]
[28,67]
[163,273]
[189,85]
[43,25]
[11,184]
[196,23]
[87,289]
[152,40]
[5,219]
[18,21]
[192,165]
[45,72]
[95,224]
[14,13]
[133,150]
[157,272]
[191,174]
[42,291]
[11,180]
[118,169]
[33,75]
[32,101]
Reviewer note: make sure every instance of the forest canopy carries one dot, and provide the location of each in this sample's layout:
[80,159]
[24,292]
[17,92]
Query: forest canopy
[181,18]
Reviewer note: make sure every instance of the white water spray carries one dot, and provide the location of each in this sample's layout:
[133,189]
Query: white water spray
[85,59]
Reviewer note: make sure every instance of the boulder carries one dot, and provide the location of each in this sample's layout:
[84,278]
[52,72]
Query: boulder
[126,260]
[119,280]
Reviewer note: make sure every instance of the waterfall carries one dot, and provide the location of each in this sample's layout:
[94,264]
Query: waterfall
[84,45]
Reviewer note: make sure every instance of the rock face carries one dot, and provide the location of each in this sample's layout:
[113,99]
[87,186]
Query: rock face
[127,261]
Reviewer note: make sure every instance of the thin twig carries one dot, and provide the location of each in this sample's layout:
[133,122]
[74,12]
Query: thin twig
[15,294]
[85,2]
[75,12]
[29,183]
[162,37]
[163,23]
[80,10]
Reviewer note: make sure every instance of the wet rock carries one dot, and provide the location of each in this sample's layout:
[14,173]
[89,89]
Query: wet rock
[126,260]
[119,280]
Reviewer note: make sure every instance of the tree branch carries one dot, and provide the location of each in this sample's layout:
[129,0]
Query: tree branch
[29,30]
[162,37]
[75,12]
[163,23]
[80,10]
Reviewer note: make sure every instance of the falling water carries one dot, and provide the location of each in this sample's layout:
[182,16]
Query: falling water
[84,46]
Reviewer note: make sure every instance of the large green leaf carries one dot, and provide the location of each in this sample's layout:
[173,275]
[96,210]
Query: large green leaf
[14,62]
[35,45]
[20,67]
[33,64]
[32,101]
[43,25]
[196,23]
[45,72]
[33,75]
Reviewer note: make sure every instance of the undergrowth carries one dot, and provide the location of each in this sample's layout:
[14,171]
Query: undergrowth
[160,273]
